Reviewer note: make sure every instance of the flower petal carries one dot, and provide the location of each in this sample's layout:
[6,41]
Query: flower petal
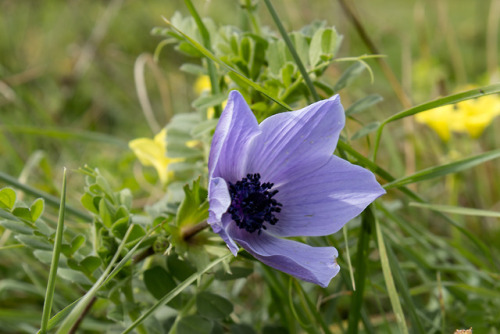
[320,201]
[312,264]
[219,201]
[235,130]
[293,138]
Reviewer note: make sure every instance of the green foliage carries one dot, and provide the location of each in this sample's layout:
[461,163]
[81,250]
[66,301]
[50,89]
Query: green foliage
[424,257]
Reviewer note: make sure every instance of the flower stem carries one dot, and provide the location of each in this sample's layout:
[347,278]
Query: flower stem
[193,230]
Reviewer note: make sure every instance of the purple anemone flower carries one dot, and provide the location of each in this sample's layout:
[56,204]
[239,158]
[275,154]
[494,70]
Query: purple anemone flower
[280,179]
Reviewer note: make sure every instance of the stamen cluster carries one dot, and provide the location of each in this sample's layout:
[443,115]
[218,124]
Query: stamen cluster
[252,204]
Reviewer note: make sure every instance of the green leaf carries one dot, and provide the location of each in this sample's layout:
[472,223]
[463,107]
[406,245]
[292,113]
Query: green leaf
[363,104]
[349,75]
[246,329]
[35,242]
[36,209]
[194,324]
[208,54]
[213,306]
[17,226]
[324,42]
[457,210]
[77,242]
[236,272]
[367,129]
[74,276]
[90,264]
[88,203]
[451,99]
[442,170]
[180,269]
[7,198]
[194,207]
[23,213]
[105,212]
[175,292]
[205,102]
[389,281]
[158,281]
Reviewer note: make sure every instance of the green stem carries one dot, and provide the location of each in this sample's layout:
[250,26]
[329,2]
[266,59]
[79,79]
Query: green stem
[253,20]
[49,295]
[294,53]
[367,224]
[205,36]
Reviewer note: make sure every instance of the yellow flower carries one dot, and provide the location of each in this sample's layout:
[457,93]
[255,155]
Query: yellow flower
[440,120]
[153,152]
[202,84]
[470,116]
[478,114]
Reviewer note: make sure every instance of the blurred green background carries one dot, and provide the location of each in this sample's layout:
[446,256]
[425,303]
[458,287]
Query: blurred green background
[67,75]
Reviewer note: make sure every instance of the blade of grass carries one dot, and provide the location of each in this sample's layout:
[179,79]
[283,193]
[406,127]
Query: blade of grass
[367,224]
[450,99]
[205,35]
[348,256]
[211,56]
[78,309]
[49,199]
[453,167]
[404,291]
[457,210]
[389,281]
[387,176]
[56,253]
[292,50]
[177,290]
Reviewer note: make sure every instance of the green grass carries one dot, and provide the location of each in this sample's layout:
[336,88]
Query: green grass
[424,257]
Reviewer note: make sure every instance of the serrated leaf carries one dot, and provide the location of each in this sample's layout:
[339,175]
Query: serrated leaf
[194,324]
[366,130]
[213,306]
[7,198]
[363,104]
[194,207]
[36,209]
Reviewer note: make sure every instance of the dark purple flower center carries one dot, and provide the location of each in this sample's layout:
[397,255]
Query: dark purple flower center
[252,203]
